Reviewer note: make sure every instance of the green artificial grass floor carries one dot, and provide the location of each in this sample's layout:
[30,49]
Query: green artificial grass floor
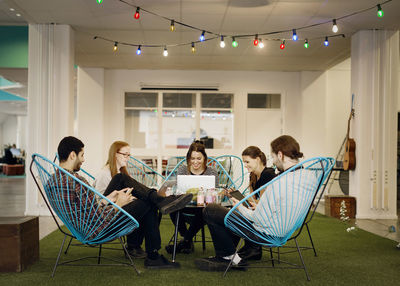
[355,258]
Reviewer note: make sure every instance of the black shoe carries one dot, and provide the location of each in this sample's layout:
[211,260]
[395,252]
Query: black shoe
[160,263]
[183,246]
[218,264]
[174,203]
[137,252]
[251,253]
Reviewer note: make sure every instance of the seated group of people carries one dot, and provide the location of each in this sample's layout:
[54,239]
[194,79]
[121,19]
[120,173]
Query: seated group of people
[143,203]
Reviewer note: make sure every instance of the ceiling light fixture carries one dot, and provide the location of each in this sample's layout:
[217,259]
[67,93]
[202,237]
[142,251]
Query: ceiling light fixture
[137,13]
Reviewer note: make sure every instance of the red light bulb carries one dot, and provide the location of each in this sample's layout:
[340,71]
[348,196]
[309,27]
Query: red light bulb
[255,42]
[137,14]
[282,46]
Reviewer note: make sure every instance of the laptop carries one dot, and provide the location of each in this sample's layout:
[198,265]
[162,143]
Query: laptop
[186,182]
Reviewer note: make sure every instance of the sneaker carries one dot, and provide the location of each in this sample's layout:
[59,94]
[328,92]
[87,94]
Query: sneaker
[174,203]
[218,264]
[183,246]
[160,263]
[137,252]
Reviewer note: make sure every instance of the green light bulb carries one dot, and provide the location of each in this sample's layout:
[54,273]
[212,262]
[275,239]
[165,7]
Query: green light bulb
[99,1]
[380,13]
[306,44]
[234,44]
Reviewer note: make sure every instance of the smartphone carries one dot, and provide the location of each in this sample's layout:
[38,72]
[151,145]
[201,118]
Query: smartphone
[237,195]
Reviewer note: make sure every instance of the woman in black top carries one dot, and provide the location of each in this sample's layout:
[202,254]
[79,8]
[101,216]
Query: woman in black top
[255,162]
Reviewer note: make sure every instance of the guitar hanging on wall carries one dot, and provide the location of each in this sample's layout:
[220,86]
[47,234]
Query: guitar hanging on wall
[349,160]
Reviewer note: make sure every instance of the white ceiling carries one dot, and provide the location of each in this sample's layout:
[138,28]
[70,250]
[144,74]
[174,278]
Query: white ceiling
[113,19]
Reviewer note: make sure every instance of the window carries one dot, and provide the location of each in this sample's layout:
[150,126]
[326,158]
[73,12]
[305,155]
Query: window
[141,128]
[262,100]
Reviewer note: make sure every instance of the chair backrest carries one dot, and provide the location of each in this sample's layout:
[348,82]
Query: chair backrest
[234,167]
[143,173]
[171,164]
[77,204]
[283,207]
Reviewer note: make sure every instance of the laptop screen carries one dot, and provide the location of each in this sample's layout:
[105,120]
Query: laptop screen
[186,182]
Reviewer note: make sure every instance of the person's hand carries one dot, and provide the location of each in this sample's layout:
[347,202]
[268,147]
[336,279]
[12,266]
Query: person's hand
[228,191]
[124,197]
[234,201]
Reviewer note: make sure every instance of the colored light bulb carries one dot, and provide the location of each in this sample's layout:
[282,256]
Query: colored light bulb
[379,13]
[260,44]
[294,37]
[137,13]
[202,37]
[115,46]
[193,48]
[234,43]
[282,46]
[139,51]
[172,27]
[326,42]
[255,42]
[306,44]
[99,1]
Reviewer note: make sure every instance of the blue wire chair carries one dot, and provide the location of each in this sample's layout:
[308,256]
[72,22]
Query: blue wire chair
[233,165]
[171,164]
[282,210]
[77,205]
[143,173]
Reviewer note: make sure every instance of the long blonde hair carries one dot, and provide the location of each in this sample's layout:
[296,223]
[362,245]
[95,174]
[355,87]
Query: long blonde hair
[112,160]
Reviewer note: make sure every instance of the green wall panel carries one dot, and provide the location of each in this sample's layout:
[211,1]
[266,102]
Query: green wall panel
[13,46]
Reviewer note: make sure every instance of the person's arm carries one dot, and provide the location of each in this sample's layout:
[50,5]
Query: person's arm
[102,180]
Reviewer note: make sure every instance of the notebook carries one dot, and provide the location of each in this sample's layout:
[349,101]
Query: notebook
[185,182]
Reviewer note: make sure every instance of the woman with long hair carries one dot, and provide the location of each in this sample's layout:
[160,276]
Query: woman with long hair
[196,159]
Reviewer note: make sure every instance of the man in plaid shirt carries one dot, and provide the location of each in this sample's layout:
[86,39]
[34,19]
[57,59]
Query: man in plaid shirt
[143,208]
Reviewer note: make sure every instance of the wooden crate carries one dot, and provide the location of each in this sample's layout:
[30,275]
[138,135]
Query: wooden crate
[19,243]
[333,203]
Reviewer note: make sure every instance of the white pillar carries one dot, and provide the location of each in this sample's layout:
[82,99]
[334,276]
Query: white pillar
[90,117]
[374,82]
[50,98]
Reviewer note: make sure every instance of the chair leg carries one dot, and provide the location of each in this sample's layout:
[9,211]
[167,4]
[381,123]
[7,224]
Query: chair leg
[99,256]
[69,243]
[58,257]
[127,255]
[272,256]
[301,258]
[230,262]
[176,236]
[312,243]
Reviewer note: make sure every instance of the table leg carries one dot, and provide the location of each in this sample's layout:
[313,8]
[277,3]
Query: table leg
[176,235]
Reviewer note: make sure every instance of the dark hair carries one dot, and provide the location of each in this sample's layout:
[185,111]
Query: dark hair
[67,145]
[254,152]
[288,146]
[197,146]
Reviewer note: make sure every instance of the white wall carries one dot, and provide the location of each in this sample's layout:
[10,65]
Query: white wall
[9,130]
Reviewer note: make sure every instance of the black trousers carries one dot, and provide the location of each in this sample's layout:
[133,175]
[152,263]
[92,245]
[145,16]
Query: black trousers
[194,217]
[224,240]
[143,209]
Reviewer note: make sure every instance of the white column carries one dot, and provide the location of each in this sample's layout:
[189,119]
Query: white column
[90,117]
[50,98]
[374,82]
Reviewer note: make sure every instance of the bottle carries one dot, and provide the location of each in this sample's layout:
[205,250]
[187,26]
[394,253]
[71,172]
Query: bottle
[209,196]
[200,197]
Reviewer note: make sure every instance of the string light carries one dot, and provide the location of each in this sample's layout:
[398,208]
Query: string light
[115,46]
[193,48]
[306,44]
[99,1]
[137,13]
[335,28]
[139,50]
[282,46]
[260,44]
[255,42]
[234,43]
[172,27]
[202,38]
[222,42]
[326,42]
[165,52]
[379,13]
[294,37]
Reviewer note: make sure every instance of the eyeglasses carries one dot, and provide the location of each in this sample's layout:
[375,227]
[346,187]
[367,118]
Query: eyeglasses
[199,142]
[126,155]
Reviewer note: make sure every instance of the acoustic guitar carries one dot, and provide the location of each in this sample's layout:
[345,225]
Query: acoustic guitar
[349,161]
